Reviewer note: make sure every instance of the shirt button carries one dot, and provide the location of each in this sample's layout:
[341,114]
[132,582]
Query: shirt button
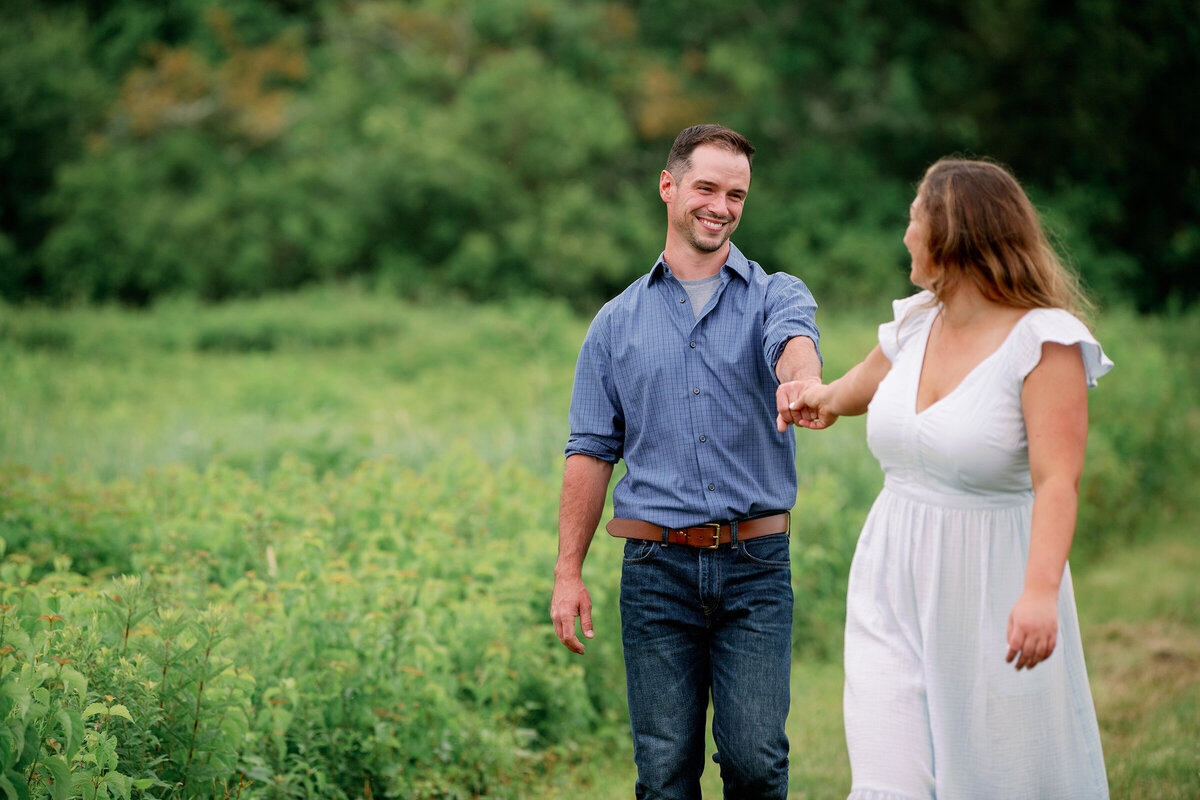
[683,299]
[704,438]
[712,488]
[692,345]
[696,390]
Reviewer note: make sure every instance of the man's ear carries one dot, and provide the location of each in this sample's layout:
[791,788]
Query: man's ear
[666,186]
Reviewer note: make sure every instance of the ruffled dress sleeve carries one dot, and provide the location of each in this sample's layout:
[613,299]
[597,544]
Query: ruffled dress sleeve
[1056,325]
[910,315]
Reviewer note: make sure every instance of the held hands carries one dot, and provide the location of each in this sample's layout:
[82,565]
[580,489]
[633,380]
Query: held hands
[1033,628]
[805,404]
[571,600]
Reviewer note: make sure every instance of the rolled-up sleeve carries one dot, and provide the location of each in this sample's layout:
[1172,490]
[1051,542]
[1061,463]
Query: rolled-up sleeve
[596,420]
[790,311]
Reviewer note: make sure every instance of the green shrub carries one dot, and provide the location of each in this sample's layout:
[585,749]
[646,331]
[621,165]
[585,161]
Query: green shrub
[300,636]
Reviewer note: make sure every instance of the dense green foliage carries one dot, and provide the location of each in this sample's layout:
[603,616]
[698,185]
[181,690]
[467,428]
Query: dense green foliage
[301,636]
[303,547]
[493,147]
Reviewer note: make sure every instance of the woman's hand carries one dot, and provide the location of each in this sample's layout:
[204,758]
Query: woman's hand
[788,402]
[815,405]
[813,408]
[1033,628]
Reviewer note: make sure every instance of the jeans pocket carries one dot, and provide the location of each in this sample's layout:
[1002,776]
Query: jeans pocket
[638,551]
[767,551]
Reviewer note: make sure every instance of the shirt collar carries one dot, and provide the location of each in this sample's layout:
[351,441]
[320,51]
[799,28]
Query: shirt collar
[735,261]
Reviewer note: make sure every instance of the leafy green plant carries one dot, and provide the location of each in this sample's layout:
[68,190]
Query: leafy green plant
[307,634]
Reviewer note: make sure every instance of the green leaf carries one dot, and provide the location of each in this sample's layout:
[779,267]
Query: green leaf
[41,696]
[122,783]
[21,691]
[72,726]
[14,786]
[14,742]
[31,739]
[142,784]
[121,711]
[100,709]
[74,681]
[83,783]
[60,789]
[8,746]
[23,644]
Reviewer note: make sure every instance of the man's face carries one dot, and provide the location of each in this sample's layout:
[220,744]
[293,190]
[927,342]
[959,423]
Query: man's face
[704,204]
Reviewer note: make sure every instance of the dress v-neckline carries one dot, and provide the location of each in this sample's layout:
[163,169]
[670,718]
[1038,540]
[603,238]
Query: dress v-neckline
[925,353]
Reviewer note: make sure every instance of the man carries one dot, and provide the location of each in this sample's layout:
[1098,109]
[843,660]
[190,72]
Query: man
[689,375]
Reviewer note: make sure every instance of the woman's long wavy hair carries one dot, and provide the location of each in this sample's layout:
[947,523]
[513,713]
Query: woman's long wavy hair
[983,228]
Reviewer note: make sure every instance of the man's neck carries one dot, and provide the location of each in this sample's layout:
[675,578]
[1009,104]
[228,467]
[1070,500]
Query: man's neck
[689,264]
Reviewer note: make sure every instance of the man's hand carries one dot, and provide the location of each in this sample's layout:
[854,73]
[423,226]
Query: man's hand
[1033,628]
[571,601]
[585,484]
[800,403]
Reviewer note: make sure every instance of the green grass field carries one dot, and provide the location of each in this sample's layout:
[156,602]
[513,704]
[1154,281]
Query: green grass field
[1140,614]
[336,511]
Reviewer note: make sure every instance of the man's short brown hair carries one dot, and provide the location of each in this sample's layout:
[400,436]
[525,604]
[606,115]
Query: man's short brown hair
[680,158]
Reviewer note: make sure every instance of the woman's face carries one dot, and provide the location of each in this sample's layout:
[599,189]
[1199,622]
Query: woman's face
[916,239]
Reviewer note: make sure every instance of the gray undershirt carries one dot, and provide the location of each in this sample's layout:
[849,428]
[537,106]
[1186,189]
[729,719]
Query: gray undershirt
[699,292]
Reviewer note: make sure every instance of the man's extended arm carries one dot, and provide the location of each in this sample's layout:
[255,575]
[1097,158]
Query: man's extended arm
[585,486]
[798,366]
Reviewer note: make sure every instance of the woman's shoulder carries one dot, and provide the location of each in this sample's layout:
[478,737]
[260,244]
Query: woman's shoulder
[1052,320]
[908,317]
[1040,326]
[921,304]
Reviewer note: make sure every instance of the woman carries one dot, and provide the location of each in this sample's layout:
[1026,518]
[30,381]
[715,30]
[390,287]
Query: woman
[977,401]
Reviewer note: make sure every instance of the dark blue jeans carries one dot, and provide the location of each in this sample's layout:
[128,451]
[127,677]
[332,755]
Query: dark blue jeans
[695,621]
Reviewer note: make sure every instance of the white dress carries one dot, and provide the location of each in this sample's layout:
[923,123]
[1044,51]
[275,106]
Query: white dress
[932,709]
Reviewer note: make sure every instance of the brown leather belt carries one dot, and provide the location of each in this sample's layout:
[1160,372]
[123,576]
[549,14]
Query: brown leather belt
[710,535]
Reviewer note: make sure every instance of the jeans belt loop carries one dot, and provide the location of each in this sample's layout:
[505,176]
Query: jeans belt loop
[733,542]
[665,537]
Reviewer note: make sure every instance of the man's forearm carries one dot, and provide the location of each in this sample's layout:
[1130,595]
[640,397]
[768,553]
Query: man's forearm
[584,489]
[799,361]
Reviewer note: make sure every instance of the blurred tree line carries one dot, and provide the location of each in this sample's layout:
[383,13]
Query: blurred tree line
[490,147]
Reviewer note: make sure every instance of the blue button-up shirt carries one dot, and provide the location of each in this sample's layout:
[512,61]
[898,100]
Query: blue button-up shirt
[690,403]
